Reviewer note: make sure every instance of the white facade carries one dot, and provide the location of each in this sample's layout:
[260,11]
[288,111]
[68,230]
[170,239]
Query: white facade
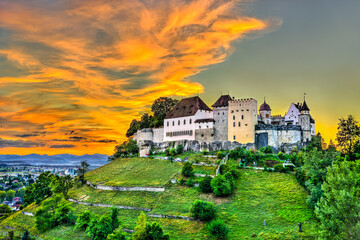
[183,128]
[293,115]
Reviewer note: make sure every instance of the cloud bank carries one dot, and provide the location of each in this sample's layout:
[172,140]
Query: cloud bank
[87,68]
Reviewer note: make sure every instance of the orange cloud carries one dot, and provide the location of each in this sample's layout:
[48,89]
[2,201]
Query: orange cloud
[90,67]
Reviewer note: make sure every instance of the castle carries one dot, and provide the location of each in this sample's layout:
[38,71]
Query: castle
[230,123]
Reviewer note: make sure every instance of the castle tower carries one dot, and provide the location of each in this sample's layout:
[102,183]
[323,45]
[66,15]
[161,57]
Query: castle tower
[305,122]
[242,118]
[221,109]
[265,113]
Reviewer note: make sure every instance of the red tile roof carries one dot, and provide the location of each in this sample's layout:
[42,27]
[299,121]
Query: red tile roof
[187,107]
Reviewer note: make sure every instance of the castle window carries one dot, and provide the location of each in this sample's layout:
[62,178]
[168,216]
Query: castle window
[233,117]
[234,124]
[247,109]
[242,117]
[267,115]
[223,113]
[218,113]
[173,123]
[190,121]
[202,135]
[167,123]
[239,124]
[223,120]
[234,137]
[245,124]
[178,122]
[184,121]
[232,111]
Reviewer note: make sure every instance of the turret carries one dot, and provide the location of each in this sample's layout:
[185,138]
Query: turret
[265,113]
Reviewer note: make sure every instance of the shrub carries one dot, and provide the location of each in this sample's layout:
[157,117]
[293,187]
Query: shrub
[202,210]
[235,173]
[167,152]
[220,155]
[205,185]
[190,182]
[83,220]
[172,152]
[279,168]
[205,152]
[281,155]
[221,186]
[179,149]
[187,170]
[181,181]
[231,180]
[218,229]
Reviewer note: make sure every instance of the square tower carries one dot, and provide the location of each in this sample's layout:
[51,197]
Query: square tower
[242,118]
[221,109]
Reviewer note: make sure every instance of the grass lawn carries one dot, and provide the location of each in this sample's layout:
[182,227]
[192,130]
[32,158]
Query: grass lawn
[134,172]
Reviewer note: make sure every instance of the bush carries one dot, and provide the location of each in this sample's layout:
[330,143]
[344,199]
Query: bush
[167,152]
[172,152]
[231,180]
[83,220]
[190,182]
[179,149]
[218,229]
[187,170]
[220,155]
[202,210]
[279,168]
[181,181]
[221,186]
[205,185]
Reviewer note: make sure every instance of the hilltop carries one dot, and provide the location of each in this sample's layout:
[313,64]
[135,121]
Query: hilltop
[259,195]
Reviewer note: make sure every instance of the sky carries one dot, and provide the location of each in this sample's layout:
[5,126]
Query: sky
[74,73]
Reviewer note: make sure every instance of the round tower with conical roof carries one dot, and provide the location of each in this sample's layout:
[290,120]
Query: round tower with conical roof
[305,122]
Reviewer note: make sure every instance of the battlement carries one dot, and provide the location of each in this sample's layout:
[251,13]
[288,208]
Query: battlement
[278,127]
[243,100]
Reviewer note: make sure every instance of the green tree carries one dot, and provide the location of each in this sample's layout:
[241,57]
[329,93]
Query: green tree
[205,185]
[61,184]
[315,142]
[140,229]
[39,190]
[82,169]
[26,235]
[118,234]
[339,207]
[187,170]
[2,196]
[218,229]
[83,221]
[99,228]
[10,194]
[114,218]
[160,108]
[5,211]
[347,135]
[125,149]
[146,231]
[134,126]
[20,193]
[202,210]
[221,186]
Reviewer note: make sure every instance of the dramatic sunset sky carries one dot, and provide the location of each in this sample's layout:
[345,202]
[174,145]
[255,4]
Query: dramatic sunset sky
[74,73]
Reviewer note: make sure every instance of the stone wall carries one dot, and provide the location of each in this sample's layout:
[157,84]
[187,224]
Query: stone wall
[221,123]
[204,135]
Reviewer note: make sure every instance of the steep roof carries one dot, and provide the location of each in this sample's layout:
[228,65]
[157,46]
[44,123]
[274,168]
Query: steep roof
[187,107]
[223,101]
[305,107]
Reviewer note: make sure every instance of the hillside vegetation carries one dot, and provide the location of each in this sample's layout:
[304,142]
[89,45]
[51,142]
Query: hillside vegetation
[274,197]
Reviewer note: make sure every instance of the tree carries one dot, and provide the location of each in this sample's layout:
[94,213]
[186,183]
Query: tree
[118,234]
[134,126]
[339,207]
[99,228]
[26,235]
[20,193]
[187,170]
[39,190]
[10,194]
[61,184]
[315,168]
[221,186]
[5,211]
[54,211]
[146,231]
[82,169]
[347,135]
[125,149]
[2,196]
[202,210]
[179,149]
[205,185]
[160,108]
[315,142]
[83,220]
[218,229]
[140,229]
[114,218]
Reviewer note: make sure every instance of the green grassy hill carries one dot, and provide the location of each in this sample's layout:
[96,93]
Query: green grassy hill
[274,197]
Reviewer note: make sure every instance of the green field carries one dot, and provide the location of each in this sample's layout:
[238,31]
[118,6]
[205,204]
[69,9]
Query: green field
[134,172]
[274,197]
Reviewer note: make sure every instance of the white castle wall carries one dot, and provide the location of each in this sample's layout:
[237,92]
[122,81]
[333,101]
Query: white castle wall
[187,124]
[278,137]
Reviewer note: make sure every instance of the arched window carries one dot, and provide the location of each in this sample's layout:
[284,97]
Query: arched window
[239,124]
